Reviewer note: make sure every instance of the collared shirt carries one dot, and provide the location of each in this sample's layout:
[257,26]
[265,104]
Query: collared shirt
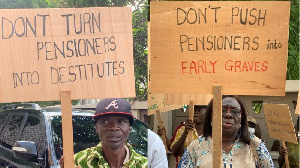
[199,154]
[93,158]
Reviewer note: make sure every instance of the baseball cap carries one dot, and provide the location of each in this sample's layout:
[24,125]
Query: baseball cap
[113,106]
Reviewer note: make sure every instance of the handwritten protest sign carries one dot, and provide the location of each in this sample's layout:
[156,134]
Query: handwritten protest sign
[198,99]
[87,51]
[279,122]
[239,45]
[156,102]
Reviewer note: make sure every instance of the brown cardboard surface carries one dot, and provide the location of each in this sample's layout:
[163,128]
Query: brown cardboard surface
[45,51]
[195,45]
[199,99]
[217,126]
[279,122]
[156,102]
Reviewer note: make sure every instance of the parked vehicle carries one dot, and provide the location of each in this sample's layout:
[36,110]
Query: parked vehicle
[32,137]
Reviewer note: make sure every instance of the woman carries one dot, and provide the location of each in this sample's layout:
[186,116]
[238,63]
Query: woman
[239,148]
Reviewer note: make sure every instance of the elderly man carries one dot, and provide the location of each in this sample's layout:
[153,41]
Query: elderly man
[113,119]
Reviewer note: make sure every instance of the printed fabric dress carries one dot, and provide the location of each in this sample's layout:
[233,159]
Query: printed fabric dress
[93,158]
[199,154]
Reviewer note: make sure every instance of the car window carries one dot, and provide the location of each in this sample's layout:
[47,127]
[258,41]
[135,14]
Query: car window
[3,118]
[138,137]
[84,134]
[34,131]
[10,131]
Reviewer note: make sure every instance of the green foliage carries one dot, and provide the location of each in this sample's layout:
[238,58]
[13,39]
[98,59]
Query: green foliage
[140,53]
[257,106]
[293,59]
[10,4]
[91,3]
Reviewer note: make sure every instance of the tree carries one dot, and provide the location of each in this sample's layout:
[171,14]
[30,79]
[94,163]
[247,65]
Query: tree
[293,72]
[139,51]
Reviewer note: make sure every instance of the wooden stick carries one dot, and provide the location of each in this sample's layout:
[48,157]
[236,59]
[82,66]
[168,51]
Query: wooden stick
[217,127]
[67,128]
[161,126]
[149,62]
[191,117]
[286,157]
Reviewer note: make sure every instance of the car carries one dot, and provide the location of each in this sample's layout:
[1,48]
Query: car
[32,137]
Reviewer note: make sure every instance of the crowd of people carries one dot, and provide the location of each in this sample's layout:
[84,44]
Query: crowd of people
[240,146]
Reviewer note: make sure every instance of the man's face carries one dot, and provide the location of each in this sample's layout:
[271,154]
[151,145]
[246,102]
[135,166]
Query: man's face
[199,114]
[113,130]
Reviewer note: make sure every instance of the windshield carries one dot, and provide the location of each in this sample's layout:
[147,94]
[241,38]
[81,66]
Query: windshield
[85,136]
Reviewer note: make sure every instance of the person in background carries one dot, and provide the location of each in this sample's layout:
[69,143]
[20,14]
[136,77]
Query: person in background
[157,156]
[251,124]
[254,127]
[196,126]
[292,150]
[162,132]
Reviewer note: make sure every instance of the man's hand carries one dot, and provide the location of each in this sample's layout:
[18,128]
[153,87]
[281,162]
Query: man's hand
[283,151]
[189,125]
[161,131]
[61,162]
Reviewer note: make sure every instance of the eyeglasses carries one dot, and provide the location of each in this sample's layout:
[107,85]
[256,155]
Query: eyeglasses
[235,112]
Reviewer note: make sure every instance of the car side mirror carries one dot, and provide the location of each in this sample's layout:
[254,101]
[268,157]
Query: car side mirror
[26,150]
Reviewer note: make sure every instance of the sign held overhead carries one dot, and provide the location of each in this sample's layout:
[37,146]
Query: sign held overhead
[239,45]
[279,122]
[87,51]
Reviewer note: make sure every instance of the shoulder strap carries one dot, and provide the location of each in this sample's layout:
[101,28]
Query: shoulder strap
[254,152]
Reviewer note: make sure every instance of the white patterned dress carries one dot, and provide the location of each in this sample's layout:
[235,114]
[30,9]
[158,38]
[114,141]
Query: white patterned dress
[199,154]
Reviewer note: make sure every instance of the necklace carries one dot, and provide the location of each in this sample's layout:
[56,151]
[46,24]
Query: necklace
[228,146]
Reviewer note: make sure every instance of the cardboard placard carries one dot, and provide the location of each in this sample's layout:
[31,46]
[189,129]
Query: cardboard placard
[156,102]
[279,122]
[88,51]
[217,127]
[199,99]
[297,111]
[239,45]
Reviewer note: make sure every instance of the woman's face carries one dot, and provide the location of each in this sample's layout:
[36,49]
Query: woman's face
[231,116]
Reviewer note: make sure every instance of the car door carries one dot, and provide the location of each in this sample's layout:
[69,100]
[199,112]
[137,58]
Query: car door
[34,131]
[22,127]
[9,129]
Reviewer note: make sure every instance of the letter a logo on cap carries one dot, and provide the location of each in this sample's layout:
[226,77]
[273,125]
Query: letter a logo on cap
[113,103]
